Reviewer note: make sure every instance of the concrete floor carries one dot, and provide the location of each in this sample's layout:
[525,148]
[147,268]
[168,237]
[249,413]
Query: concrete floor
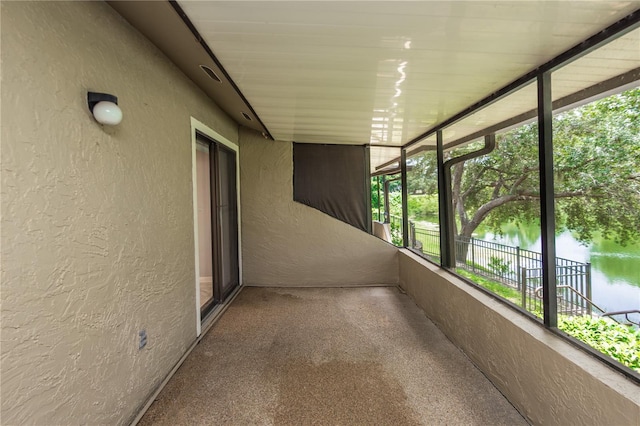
[330,356]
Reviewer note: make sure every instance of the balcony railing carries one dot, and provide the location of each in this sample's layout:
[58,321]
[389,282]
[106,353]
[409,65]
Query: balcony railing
[512,267]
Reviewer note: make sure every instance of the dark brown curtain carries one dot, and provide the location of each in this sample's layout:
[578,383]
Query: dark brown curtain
[335,180]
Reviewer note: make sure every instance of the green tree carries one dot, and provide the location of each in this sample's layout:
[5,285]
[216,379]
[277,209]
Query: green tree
[377,203]
[596,172]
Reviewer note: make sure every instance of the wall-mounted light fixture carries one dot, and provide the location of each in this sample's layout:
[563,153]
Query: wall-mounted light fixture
[104,108]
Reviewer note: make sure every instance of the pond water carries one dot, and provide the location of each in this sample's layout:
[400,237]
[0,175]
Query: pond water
[615,270]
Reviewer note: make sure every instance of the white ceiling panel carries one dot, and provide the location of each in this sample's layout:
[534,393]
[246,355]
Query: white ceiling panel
[611,60]
[517,103]
[386,72]
[383,72]
[384,157]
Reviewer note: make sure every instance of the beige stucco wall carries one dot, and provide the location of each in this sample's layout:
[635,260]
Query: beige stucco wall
[548,380]
[285,243]
[97,223]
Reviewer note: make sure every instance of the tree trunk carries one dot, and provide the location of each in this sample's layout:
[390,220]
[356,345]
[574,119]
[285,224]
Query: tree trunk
[463,240]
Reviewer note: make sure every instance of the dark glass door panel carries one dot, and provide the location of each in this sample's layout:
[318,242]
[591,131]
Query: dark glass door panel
[218,232]
[228,218]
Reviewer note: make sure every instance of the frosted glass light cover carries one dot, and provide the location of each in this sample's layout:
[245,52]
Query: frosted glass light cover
[107,113]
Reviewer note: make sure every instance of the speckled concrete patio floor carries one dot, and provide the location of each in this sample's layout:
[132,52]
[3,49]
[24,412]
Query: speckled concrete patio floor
[328,356]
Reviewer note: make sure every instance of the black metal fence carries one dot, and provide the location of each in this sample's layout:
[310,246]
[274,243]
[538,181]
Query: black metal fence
[513,267]
[425,240]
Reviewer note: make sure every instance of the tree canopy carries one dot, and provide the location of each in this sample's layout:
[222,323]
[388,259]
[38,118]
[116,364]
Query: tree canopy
[596,173]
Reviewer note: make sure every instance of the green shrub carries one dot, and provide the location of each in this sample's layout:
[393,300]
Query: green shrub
[396,234]
[620,342]
[499,266]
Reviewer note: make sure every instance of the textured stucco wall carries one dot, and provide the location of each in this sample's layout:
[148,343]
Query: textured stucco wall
[547,379]
[97,223]
[285,243]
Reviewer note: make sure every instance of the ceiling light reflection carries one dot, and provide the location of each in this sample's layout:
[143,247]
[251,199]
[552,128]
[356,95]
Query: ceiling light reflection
[387,123]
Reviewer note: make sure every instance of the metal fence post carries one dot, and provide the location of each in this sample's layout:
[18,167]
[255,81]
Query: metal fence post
[520,283]
[588,279]
[412,228]
[523,278]
[473,255]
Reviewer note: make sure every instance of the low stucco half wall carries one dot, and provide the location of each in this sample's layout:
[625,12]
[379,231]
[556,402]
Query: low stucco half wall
[382,231]
[285,243]
[547,379]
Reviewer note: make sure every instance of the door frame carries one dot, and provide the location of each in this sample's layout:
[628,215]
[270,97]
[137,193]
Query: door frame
[199,127]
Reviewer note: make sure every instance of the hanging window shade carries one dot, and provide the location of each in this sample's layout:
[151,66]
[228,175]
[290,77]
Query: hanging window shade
[335,180]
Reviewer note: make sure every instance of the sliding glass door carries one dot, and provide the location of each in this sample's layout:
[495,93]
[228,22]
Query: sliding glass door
[217,222]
